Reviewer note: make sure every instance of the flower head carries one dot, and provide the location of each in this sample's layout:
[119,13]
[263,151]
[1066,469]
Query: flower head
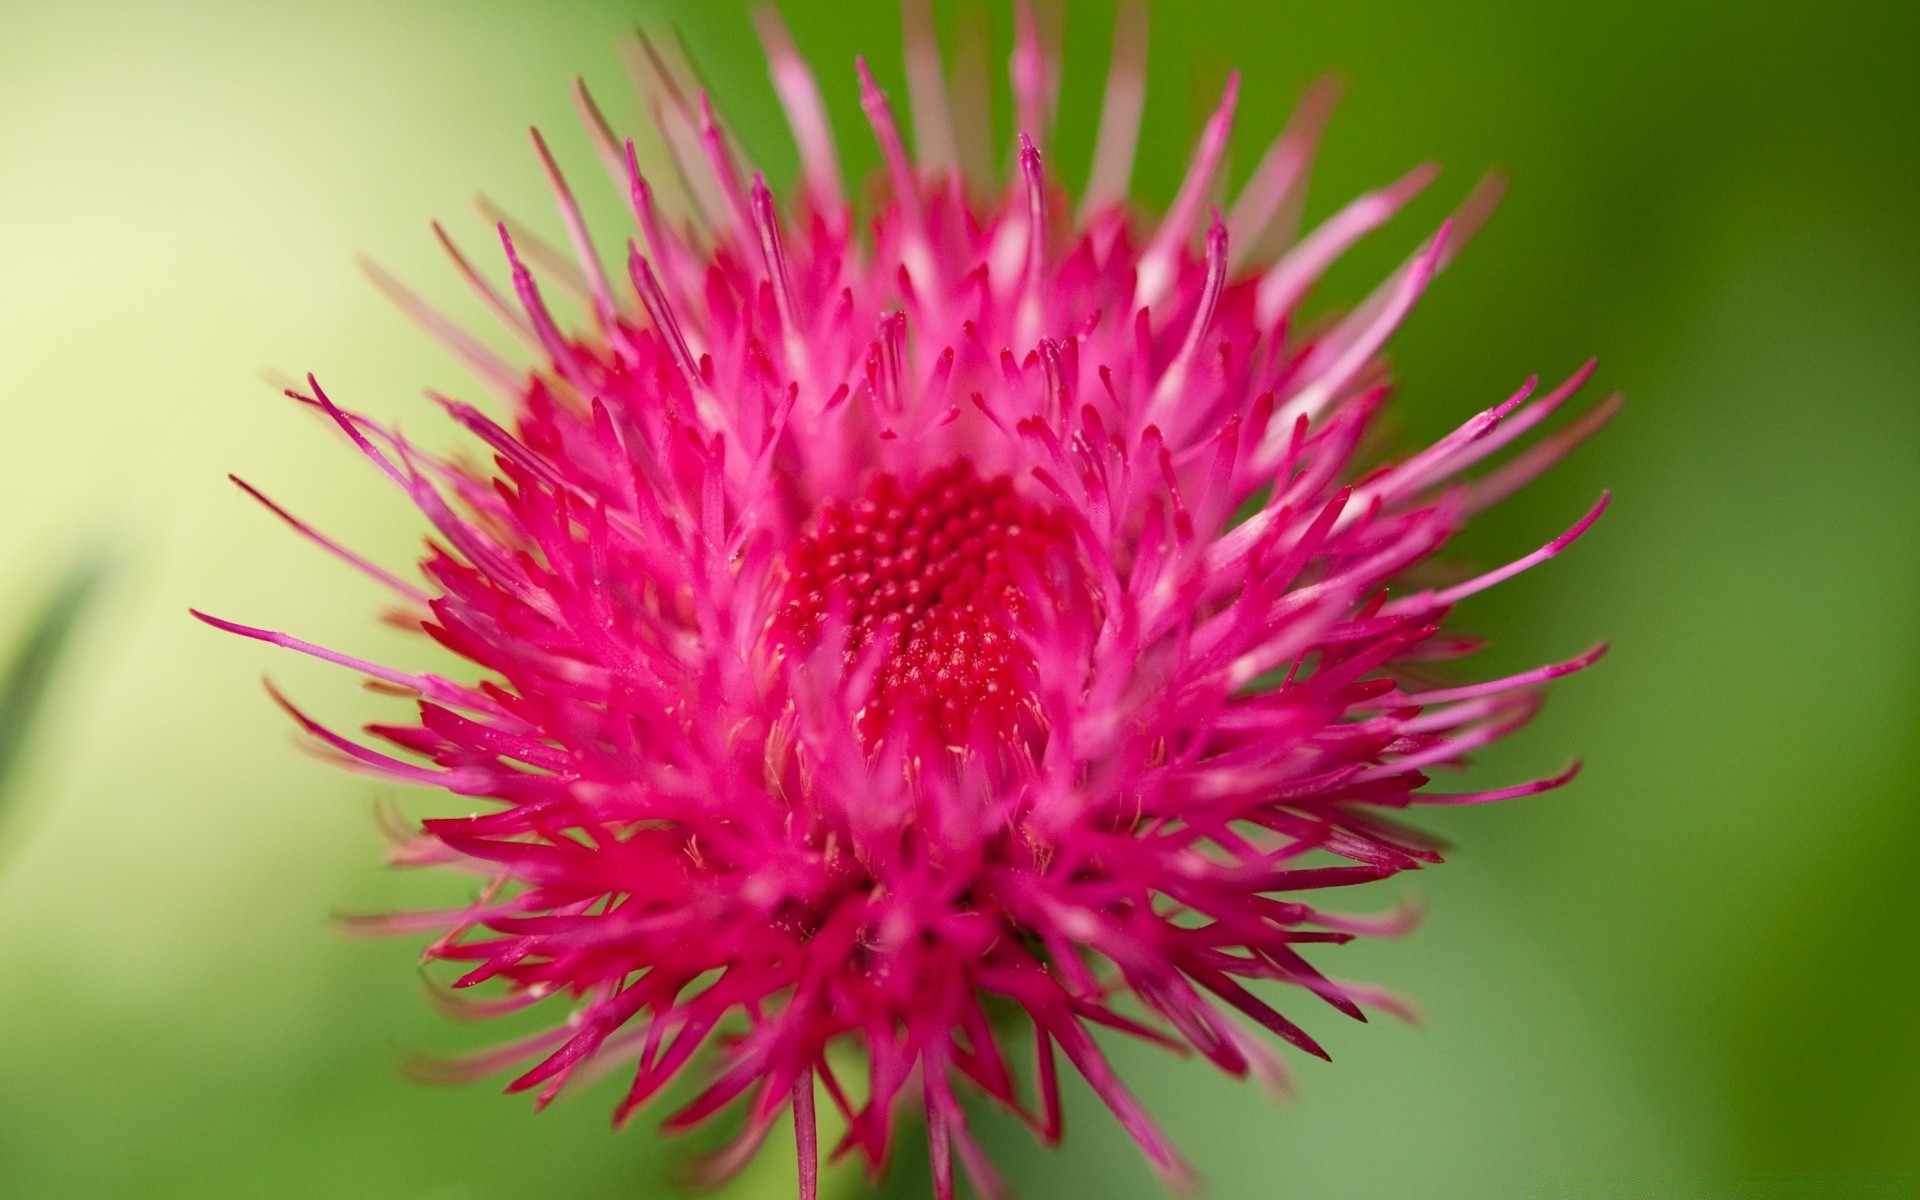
[891,629]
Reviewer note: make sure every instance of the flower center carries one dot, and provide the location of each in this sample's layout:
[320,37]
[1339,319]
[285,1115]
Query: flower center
[932,569]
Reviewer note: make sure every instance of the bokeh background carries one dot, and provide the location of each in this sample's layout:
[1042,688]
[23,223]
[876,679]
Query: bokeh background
[1695,971]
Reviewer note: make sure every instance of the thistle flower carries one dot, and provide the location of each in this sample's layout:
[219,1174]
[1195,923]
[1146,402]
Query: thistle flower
[894,630]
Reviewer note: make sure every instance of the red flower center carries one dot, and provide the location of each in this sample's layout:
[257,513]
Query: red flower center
[934,569]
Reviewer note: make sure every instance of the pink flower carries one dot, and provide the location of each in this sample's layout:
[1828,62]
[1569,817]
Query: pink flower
[886,618]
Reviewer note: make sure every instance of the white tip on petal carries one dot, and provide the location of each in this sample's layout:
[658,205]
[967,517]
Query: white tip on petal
[1120,111]
[806,114]
[933,137]
[1157,262]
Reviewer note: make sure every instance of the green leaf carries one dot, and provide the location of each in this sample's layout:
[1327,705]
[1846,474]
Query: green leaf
[31,668]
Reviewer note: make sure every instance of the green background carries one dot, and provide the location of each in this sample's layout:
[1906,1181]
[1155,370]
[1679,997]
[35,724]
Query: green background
[1693,972]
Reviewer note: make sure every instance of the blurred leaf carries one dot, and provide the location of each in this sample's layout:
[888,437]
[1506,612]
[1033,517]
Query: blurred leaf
[24,686]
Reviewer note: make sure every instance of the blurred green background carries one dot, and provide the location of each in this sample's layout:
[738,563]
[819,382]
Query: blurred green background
[1695,968]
